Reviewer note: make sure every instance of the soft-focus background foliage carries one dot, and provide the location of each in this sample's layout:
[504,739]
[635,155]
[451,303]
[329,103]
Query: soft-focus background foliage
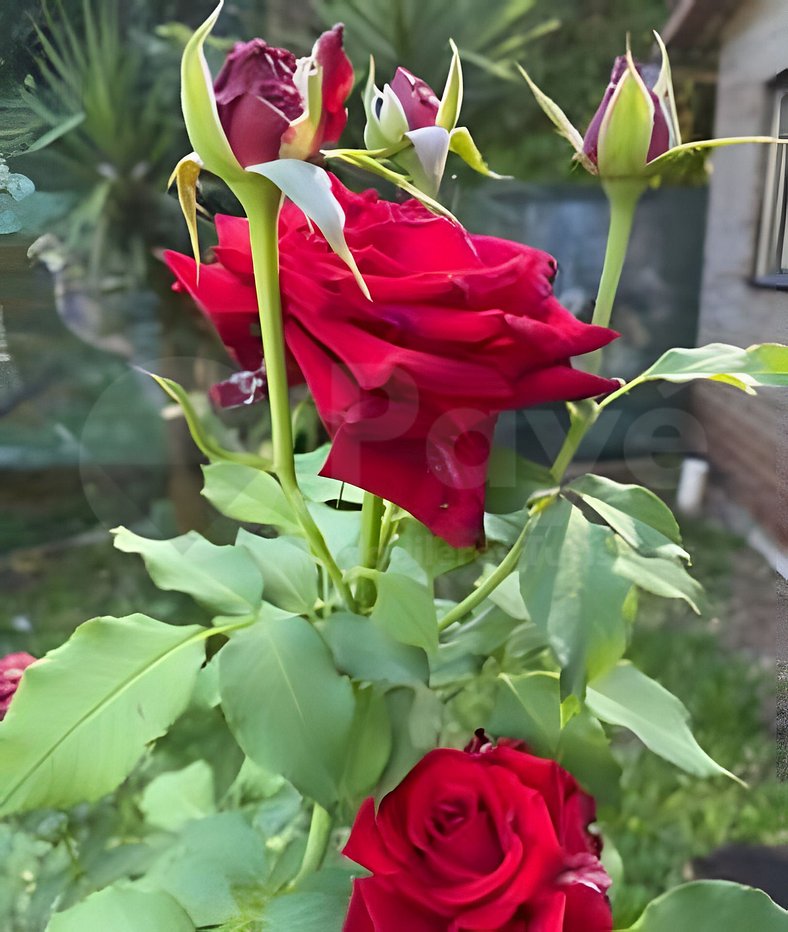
[90,113]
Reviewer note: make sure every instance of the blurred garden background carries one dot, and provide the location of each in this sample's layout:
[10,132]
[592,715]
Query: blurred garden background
[90,129]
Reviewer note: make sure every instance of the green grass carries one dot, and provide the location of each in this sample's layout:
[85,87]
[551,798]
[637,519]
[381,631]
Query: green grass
[45,596]
[668,818]
[782,721]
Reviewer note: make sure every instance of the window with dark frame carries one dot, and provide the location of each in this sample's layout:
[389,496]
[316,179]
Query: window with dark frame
[771,267]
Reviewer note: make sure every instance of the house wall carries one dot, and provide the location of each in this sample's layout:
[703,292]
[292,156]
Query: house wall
[745,435]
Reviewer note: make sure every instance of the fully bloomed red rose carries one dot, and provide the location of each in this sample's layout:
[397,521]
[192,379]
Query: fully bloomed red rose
[490,839]
[12,666]
[409,385]
[264,95]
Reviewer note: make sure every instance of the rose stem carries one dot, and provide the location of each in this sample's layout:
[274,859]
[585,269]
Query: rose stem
[469,603]
[371,517]
[623,197]
[316,844]
[579,425]
[261,200]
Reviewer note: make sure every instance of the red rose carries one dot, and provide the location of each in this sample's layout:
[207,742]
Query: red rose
[263,99]
[409,386]
[477,841]
[11,668]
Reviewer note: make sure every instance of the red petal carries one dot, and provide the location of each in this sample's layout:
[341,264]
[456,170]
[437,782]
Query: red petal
[418,99]
[337,83]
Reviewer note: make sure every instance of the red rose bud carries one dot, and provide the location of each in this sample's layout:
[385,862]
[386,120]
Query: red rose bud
[273,106]
[409,385]
[12,666]
[408,124]
[490,838]
[409,105]
[419,102]
[644,98]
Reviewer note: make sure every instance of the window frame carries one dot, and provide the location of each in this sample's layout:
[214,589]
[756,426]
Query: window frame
[775,191]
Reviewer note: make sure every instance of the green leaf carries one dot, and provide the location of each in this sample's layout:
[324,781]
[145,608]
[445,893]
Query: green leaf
[528,706]
[507,595]
[406,610]
[319,488]
[511,481]
[83,716]
[584,750]
[248,494]
[364,649]
[207,866]
[340,530]
[309,187]
[308,910]
[764,364]
[432,554]
[287,706]
[687,162]
[572,592]
[711,906]
[416,716]
[636,514]
[200,435]
[289,572]
[663,577]
[224,579]
[199,106]
[123,908]
[369,747]
[174,798]
[627,697]
[481,636]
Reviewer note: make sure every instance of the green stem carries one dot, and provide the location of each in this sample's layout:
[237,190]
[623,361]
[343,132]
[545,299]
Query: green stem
[580,423]
[371,517]
[261,199]
[470,602]
[316,844]
[623,197]
[388,524]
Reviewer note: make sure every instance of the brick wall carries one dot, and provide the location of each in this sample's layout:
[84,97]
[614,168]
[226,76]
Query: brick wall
[746,436]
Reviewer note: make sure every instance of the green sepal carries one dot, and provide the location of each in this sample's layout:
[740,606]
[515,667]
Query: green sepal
[201,437]
[451,100]
[200,112]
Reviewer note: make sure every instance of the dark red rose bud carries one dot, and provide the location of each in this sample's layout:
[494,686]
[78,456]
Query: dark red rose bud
[263,93]
[418,99]
[12,666]
[494,838]
[661,129]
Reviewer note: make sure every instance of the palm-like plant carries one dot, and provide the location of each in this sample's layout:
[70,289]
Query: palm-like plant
[100,103]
